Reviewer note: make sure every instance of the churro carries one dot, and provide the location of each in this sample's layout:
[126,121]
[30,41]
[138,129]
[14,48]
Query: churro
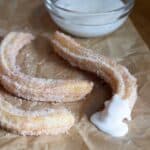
[123,84]
[48,121]
[32,88]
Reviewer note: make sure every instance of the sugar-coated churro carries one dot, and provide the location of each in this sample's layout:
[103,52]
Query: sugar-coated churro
[48,121]
[32,88]
[111,119]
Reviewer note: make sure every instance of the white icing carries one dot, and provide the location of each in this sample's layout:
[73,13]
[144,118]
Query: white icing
[111,119]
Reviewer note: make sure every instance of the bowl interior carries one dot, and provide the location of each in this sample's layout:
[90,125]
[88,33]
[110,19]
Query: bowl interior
[90,7]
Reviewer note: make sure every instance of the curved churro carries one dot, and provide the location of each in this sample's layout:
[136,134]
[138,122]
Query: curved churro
[123,84]
[50,121]
[32,88]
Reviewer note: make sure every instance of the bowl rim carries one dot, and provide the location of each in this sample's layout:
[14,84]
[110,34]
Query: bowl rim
[128,6]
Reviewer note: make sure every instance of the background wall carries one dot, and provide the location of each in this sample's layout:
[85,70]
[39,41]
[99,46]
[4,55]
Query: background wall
[141,19]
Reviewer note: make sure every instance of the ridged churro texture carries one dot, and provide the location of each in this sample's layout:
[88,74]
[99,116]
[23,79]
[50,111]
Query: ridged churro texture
[33,88]
[122,82]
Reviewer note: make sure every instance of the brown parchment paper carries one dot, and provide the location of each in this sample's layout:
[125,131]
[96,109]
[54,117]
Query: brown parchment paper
[38,59]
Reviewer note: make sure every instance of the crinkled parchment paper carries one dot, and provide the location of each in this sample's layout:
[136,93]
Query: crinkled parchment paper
[38,59]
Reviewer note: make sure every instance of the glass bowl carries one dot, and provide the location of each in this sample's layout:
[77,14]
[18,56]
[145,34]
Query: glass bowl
[86,18]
